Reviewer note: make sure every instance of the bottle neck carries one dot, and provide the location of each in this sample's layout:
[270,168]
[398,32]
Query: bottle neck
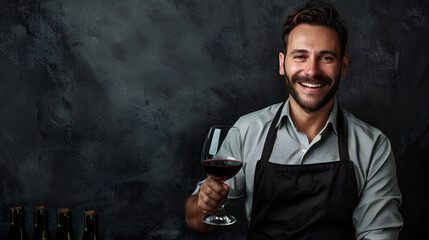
[41,219]
[64,222]
[17,224]
[17,218]
[41,230]
[90,230]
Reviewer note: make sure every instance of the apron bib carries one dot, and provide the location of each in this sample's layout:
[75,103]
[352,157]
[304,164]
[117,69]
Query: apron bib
[310,201]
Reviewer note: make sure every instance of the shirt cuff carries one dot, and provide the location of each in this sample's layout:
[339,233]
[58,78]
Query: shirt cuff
[380,234]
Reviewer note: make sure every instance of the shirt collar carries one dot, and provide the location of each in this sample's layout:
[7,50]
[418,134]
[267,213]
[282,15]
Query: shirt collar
[332,120]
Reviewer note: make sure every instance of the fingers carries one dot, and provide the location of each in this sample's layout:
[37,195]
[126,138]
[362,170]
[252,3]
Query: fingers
[212,195]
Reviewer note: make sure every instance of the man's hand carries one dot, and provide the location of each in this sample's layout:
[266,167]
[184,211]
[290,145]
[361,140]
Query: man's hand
[212,195]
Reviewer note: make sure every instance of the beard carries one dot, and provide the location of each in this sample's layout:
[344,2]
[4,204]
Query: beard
[308,106]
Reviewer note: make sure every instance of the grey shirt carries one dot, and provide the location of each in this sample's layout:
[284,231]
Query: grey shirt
[376,215]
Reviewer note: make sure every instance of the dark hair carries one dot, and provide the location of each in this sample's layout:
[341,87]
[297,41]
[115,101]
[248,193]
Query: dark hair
[318,14]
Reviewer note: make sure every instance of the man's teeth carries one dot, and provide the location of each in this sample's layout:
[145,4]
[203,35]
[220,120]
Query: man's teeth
[312,85]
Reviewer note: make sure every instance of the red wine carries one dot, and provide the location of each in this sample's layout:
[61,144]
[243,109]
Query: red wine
[223,168]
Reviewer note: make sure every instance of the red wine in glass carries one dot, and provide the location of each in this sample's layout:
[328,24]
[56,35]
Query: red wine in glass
[221,159]
[222,168]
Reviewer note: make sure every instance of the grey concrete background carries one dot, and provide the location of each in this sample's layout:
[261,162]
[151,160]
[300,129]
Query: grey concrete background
[104,104]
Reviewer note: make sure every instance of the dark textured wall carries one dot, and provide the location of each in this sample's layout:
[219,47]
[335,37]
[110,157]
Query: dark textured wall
[104,104]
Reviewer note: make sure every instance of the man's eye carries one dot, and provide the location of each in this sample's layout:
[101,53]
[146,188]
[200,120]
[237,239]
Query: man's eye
[325,58]
[299,57]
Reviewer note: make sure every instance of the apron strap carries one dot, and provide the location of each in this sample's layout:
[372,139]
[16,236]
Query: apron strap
[272,135]
[342,136]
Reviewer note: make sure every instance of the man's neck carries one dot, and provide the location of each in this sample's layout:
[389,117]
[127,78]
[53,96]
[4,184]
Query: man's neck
[309,123]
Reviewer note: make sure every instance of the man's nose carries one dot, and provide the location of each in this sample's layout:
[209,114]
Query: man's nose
[312,67]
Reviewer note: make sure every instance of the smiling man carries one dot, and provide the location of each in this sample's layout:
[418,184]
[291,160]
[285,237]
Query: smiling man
[311,170]
[312,65]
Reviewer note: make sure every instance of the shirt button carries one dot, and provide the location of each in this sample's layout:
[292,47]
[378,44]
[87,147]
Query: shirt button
[304,150]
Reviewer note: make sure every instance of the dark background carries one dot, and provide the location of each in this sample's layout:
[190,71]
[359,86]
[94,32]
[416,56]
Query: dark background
[105,104]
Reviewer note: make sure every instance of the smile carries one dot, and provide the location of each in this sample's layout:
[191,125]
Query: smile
[312,85]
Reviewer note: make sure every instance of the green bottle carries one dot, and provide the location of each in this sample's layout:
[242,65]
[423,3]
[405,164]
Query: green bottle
[90,228]
[17,224]
[41,230]
[64,225]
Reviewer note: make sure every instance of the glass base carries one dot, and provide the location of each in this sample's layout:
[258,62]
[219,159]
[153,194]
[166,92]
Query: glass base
[220,218]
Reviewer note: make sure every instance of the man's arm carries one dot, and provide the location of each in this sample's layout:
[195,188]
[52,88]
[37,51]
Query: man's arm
[377,213]
[194,214]
[211,196]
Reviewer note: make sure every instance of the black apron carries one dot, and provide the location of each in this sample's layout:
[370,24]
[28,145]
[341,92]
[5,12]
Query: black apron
[310,201]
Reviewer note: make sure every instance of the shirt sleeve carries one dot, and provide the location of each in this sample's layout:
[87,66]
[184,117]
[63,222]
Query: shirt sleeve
[377,215]
[197,189]
[383,234]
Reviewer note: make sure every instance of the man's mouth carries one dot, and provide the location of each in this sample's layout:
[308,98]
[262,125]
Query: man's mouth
[312,85]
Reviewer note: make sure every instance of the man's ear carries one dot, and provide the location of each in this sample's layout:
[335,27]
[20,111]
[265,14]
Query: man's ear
[281,64]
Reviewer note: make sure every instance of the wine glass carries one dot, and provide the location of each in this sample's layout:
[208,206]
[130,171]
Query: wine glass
[221,159]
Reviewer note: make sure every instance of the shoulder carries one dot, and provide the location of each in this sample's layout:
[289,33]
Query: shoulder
[260,117]
[364,134]
[357,124]
[369,149]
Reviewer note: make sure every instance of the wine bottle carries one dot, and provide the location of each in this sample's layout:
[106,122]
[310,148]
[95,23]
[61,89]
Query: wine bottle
[17,224]
[41,230]
[90,228]
[64,225]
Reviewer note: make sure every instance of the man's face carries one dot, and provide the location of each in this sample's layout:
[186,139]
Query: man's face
[312,65]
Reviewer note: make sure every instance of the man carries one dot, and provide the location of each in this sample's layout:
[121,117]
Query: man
[311,170]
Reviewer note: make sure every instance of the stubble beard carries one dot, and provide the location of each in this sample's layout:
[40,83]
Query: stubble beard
[308,106]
